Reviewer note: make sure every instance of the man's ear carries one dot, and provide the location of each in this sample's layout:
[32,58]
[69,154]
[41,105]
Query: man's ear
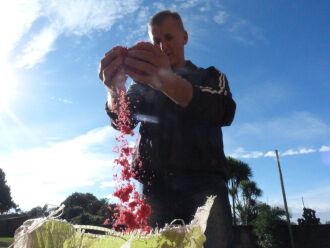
[185,37]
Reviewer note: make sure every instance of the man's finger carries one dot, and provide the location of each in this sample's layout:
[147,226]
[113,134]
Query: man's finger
[109,57]
[144,46]
[105,62]
[137,76]
[118,81]
[140,65]
[143,55]
[115,48]
[158,51]
[109,72]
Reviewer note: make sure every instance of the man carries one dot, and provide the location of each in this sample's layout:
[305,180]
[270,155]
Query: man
[181,109]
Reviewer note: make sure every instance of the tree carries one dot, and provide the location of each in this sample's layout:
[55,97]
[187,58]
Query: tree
[6,202]
[309,217]
[266,226]
[247,203]
[85,208]
[38,212]
[237,172]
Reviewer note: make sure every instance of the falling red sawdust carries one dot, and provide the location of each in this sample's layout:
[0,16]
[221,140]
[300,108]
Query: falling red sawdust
[132,212]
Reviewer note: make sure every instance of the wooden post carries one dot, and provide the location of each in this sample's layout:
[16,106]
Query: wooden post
[284,199]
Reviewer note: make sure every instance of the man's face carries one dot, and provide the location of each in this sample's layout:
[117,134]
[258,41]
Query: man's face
[171,38]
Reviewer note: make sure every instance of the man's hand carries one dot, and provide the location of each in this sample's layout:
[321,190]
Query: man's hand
[111,69]
[146,64]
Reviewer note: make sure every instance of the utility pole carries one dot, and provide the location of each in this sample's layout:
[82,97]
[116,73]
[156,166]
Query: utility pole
[284,199]
[302,199]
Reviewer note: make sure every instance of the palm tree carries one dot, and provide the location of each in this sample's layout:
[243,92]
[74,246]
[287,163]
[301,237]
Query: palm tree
[247,205]
[237,172]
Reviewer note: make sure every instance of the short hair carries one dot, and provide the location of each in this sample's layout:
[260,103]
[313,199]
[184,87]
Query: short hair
[159,17]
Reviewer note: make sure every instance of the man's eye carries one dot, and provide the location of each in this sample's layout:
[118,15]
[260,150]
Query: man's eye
[168,37]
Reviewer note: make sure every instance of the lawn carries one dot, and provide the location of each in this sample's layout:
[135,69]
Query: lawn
[5,242]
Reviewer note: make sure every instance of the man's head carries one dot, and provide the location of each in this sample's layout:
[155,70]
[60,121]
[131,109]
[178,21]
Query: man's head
[166,30]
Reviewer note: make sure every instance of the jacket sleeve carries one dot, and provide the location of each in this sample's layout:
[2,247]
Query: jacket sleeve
[135,102]
[212,102]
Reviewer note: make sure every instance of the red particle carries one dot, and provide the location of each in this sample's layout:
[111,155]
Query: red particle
[146,229]
[116,149]
[106,222]
[132,212]
[122,161]
[126,151]
[126,174]
[132,204]
[128,218]
[123,192]
[126,130]
[143,212]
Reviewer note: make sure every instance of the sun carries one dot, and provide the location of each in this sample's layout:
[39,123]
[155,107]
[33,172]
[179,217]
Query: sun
[8,87]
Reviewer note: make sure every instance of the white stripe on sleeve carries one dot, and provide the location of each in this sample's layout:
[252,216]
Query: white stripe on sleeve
[222,87]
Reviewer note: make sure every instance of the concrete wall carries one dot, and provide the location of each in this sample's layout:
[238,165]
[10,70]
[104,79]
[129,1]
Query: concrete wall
[314,236]
[10,224]
[243,237]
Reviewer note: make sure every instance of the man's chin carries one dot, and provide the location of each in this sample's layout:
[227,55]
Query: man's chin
[172,61]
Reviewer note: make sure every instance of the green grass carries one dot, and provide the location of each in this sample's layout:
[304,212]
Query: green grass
[6,241]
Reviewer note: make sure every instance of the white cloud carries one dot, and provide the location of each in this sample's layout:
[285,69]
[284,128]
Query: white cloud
[206,7]
[109,184]
[270,154]
[324,149]
[238,28]
[37,24]
[48,174]
[240,152]
[189,4]
[143,15]
[159,5]
[221,17]
[36,49]
[54,18]
[139,32]
[246,32]
[291,152]
[62,100]
[65,100]
[82,17]
[20,15]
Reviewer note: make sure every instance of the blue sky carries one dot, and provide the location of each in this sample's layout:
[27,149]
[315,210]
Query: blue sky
[55,138]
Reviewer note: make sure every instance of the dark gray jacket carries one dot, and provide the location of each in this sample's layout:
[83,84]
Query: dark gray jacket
[177,140]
